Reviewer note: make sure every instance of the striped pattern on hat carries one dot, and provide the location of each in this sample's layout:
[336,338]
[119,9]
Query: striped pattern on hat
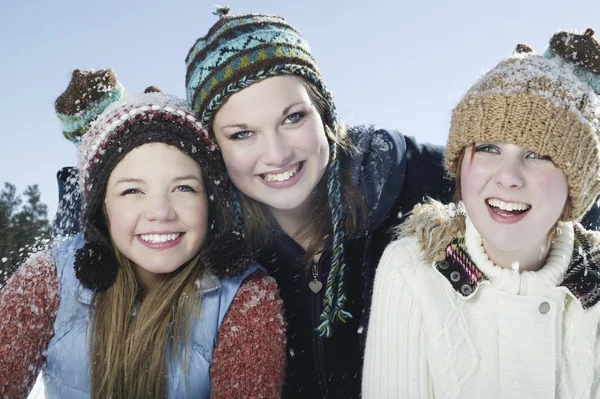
[545,104]
[87,96]
[244,49]
[239,51]
[132,109]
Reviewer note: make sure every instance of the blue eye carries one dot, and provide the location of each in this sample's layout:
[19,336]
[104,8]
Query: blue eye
[130,191]
[241,135]
[185,188]
[535,155]
[295,117]
[487,148]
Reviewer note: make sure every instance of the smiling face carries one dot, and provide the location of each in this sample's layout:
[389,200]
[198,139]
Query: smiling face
[273,142]
[157,209]
[512,195]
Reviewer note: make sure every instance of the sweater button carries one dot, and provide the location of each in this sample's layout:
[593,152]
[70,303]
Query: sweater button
[466,289]
[443,265]
[544,307]
[455,276]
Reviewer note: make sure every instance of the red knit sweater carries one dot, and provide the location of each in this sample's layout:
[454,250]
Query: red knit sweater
[248,360]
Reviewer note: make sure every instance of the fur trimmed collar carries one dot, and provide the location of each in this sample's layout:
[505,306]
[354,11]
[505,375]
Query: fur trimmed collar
[440,232]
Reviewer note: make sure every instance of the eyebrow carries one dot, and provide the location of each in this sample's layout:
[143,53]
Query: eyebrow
[128,180]
[187,177]
[141,181]
[238,125]
[287,109]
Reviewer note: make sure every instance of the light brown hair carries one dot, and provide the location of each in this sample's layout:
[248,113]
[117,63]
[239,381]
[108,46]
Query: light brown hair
[131,328]
[318,226]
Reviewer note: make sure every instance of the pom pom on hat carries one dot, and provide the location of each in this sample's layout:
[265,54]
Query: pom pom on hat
[547,104]
[110,126]
[523,48]
[579,49]
[87,96]
[152,89]
[96,266]
[240,50]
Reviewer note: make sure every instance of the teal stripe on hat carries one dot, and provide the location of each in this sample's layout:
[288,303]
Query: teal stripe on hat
[256,36]
[583,74]
[237,66]
[76,125]
[228,54]
[232,23]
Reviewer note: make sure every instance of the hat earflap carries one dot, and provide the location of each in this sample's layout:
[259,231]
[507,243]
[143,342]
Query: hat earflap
[96,266]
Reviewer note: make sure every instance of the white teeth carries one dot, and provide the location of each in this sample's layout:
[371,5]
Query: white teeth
[508,206]
[158,238]
[282,176]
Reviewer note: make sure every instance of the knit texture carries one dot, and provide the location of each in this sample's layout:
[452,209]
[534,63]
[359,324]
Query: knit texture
[544,104]
[129,122]
[248,358]
[88,94]
[515,335]
[28,306]
[239,51]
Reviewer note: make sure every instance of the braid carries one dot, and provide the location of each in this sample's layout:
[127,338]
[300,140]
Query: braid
[334,301]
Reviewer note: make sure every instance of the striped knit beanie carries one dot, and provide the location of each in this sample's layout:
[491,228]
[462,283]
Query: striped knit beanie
[240,50]
[549,104]
[129,122]
[76,114]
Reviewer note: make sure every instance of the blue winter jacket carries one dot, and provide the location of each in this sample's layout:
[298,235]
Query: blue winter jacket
[67,372]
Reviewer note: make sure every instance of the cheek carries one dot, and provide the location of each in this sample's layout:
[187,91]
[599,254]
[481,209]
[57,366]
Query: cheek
[121,218]
[553,185]
[194,213]
[313,140]
[474,177]
[238,160]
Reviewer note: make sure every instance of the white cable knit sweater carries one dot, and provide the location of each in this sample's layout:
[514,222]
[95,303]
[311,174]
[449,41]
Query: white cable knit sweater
[515,335]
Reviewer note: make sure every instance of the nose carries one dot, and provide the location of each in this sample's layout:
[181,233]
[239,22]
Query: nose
[510,174]
[276,151]
[159,208]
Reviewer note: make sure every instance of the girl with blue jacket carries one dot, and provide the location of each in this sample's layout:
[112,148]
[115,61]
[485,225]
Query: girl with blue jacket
[158,296]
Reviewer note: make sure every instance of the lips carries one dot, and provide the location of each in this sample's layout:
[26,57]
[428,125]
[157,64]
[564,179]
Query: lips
[160,240]
[507,210]
[283,175]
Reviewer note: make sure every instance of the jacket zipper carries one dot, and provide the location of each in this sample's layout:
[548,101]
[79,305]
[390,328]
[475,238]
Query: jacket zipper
[318,350]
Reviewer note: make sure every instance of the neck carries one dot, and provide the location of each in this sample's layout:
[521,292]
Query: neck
[293,222]
[525,260]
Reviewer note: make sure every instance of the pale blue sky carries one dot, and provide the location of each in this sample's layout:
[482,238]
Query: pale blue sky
[393,63]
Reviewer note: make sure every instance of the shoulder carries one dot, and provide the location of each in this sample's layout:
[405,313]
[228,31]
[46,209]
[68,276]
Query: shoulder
[369,140]
[434,225]
[583,274]
[39,270]
[376,165]
[258,292]
[402,253]
[251,343]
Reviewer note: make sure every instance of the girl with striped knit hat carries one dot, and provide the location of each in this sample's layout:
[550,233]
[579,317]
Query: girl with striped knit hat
[315,198]
[157,297]
[497,295]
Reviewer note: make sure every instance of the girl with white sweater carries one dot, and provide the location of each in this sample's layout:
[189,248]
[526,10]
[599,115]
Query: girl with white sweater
[496,296]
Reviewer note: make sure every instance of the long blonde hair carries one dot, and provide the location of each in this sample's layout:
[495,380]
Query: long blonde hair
[131,330]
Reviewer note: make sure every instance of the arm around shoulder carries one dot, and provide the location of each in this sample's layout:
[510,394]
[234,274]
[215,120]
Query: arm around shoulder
[249,357]
[395,358]
[28,305]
